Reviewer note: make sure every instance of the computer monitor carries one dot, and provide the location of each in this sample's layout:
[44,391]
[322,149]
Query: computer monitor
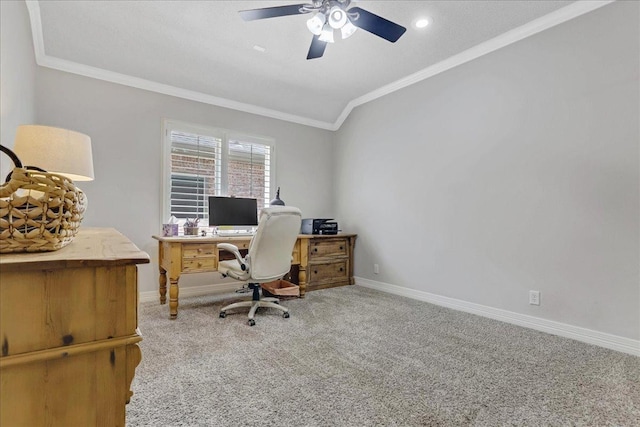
[235,211]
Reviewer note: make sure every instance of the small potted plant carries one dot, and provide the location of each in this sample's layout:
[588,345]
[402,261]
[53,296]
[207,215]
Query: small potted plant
[191,227]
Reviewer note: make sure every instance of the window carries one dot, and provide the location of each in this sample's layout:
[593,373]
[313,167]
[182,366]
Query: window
[201,162]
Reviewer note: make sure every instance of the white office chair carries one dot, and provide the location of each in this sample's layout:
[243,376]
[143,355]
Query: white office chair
[268,259]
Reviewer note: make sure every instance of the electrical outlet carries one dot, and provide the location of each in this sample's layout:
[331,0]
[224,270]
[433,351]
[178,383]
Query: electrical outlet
[534,297]
[376,269]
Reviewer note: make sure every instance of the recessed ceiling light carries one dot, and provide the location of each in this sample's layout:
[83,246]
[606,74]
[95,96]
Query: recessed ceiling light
[422,22]
[259,48]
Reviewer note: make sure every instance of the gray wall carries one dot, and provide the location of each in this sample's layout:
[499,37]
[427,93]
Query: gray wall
[517,171]
[17,75]
[125,126]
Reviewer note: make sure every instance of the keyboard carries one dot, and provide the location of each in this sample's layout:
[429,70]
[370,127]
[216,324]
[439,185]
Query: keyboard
[235,234]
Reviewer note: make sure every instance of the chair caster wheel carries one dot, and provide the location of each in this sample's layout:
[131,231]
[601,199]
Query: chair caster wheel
[251,322]
[285,314]
[223,314]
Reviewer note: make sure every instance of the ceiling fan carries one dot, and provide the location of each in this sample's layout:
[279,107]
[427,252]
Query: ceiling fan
[329,15]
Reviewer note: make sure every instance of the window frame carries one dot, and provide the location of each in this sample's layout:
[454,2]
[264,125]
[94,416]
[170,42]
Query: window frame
[225,135]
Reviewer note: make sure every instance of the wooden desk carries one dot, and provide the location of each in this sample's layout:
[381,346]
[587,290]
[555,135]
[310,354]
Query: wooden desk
[69,330]
[322,261]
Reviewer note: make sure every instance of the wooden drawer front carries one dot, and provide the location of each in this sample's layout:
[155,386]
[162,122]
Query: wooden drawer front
[328,248]
[86,389]
[44,309]
[199,257]
[190,251]
[241,245]
[199,264]
[329,272]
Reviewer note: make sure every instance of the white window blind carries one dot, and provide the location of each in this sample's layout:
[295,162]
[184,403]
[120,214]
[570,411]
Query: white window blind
[206,162]
[187,195]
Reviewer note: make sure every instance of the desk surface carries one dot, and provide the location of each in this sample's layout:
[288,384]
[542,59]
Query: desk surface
[222,239]
[90,247]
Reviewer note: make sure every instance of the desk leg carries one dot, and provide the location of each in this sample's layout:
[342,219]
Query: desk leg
[173,299]
[302,279]
[163,285]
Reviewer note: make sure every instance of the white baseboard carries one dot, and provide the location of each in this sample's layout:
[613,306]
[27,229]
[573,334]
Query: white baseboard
[192,291]
[613,342]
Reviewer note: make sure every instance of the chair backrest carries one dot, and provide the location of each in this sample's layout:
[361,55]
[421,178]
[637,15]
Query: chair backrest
[271,247]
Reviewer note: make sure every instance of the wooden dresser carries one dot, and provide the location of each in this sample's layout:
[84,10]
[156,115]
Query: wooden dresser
[69,331]
[329,260]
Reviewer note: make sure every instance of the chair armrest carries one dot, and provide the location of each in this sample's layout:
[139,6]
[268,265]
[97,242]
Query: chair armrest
[235,251]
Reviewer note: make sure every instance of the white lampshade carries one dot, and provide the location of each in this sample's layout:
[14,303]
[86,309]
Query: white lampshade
[327,34]
[348,29]
[315,23]
[55,150]
[337,17]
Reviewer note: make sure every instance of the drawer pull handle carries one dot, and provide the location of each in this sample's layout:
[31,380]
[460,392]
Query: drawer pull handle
[341,268]
[315,250]
[199,264]
[200,249]
[341,248]
[315,271]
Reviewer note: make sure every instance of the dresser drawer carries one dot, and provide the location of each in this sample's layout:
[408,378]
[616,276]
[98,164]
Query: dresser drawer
[328,272]
[190,265]
[241,245]
[328,248]
[197,250]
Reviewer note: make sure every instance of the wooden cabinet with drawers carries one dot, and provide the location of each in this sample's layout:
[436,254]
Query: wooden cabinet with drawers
[330,260]
[199,257]
[69,328]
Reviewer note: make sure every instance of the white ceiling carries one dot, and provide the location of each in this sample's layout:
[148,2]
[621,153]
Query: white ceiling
[203,50]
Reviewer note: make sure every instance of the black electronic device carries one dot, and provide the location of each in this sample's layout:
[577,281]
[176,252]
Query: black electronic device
[319,226]
[234,211]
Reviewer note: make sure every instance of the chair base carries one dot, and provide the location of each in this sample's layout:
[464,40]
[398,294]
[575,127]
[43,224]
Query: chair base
[256,303]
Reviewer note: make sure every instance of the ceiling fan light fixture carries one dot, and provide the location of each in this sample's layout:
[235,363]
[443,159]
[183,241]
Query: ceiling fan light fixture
[316,22]
[327,34]
[325,16]
[348,29]
[337,17]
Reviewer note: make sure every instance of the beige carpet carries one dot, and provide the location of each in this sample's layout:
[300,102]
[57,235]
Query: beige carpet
[353,356]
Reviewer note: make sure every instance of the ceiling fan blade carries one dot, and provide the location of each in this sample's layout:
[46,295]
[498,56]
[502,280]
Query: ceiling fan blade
[316,50]
[272,12]
[377,25]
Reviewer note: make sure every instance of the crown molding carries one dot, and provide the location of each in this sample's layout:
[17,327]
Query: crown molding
[44,60]
[543,23]
[138,83]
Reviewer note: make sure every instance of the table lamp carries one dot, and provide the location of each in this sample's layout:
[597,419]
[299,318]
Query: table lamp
[42,207]
[61,151]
